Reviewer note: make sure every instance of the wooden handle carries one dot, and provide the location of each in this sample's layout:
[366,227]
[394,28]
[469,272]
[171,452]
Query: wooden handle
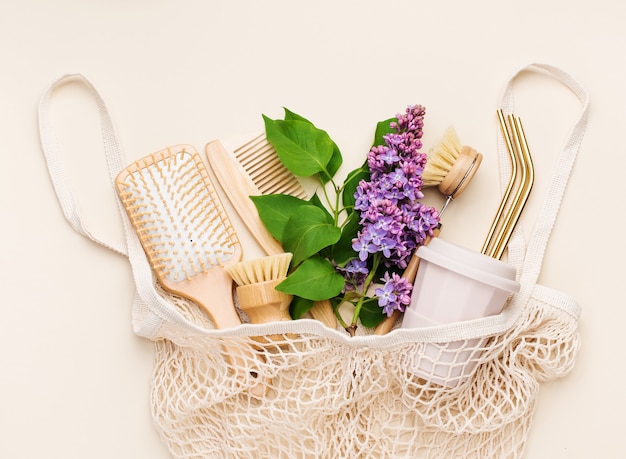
[263,303]
[239,187]
[213,292]
[323,311]
[409,274]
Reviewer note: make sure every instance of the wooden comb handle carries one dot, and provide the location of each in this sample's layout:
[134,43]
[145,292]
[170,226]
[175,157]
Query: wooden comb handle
[239,187]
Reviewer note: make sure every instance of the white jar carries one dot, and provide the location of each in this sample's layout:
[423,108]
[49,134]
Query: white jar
[455,284]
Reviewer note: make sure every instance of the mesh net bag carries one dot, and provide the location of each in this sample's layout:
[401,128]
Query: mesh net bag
[462,390]
[336,397]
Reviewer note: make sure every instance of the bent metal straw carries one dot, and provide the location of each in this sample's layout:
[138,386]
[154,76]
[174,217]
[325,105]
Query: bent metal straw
[521,159]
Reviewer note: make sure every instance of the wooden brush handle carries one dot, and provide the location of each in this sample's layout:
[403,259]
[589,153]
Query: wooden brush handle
[263,303]
[214,295]
[409,274]
[239,187]
[323,311]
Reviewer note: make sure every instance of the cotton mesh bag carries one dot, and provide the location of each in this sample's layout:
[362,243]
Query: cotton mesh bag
[325,394]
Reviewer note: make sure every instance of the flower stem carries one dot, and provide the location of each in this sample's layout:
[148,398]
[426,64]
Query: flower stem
[339,318]
[368,281]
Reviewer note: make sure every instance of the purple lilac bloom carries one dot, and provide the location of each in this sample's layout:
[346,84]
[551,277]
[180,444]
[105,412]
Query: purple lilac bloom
[355,273]
[395,294]
[393,221]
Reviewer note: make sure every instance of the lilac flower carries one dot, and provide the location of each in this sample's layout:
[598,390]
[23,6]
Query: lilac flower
[355,273]
[393,221]
[395,294]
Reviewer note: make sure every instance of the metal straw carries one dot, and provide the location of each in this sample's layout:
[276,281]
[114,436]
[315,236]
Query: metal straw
[521,160]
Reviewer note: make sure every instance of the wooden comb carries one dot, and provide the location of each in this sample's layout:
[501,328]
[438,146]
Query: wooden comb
[251,169]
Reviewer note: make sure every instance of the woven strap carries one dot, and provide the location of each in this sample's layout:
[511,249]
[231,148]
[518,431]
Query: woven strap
[156,309]
[49,145]
[529,259]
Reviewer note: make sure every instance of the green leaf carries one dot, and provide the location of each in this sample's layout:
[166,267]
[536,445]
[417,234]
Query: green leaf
[293,116]
[315,279]
[336,160]
[275,210]
[299,306]
[350,184]
[342,250]
[301,147]
[308,231]
[317,202]
[371,314]
[383,128]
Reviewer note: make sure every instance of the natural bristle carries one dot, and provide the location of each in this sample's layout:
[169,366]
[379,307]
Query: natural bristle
[177,215]
[260,270]
[441,158]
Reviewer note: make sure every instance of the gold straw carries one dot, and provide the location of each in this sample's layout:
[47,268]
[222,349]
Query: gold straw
[509,189]
[527,180]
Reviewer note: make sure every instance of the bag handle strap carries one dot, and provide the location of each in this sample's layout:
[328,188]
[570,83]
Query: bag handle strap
[58,175]
[530,259]
[150,310]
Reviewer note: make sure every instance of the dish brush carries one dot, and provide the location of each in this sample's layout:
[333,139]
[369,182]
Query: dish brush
[256,281]
[450,166]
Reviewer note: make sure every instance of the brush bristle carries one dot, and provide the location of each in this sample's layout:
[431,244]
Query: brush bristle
[441,158]
[260,270]
[178,217]
[260,160]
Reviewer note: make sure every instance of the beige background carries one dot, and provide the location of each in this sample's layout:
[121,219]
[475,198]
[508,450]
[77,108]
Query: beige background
[75,380]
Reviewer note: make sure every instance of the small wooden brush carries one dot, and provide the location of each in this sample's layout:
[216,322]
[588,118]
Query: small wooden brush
[187,237]
[252,169]
[450,166]
[256,281]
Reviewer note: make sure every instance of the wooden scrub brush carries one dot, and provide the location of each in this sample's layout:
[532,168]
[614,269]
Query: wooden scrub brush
[450,166]
[256,287]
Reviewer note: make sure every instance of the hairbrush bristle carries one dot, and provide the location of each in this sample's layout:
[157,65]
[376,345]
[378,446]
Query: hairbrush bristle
[261,269]
[260,160]
[177,215]
[441,158]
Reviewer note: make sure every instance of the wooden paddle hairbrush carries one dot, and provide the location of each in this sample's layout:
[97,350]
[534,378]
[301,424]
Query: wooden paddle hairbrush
[186,234]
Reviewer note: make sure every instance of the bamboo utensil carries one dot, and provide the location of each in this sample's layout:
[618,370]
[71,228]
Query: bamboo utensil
[256,281]
[252,169]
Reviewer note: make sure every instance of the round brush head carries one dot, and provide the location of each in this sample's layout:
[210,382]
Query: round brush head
[256,281]
[450,166]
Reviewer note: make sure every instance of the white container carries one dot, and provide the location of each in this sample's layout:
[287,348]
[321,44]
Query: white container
[455,284]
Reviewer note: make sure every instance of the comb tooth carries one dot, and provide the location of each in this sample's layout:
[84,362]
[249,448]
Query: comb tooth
[275,183]
[261,161]
[251,147]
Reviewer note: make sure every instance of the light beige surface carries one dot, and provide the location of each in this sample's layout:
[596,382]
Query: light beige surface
[74,380]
